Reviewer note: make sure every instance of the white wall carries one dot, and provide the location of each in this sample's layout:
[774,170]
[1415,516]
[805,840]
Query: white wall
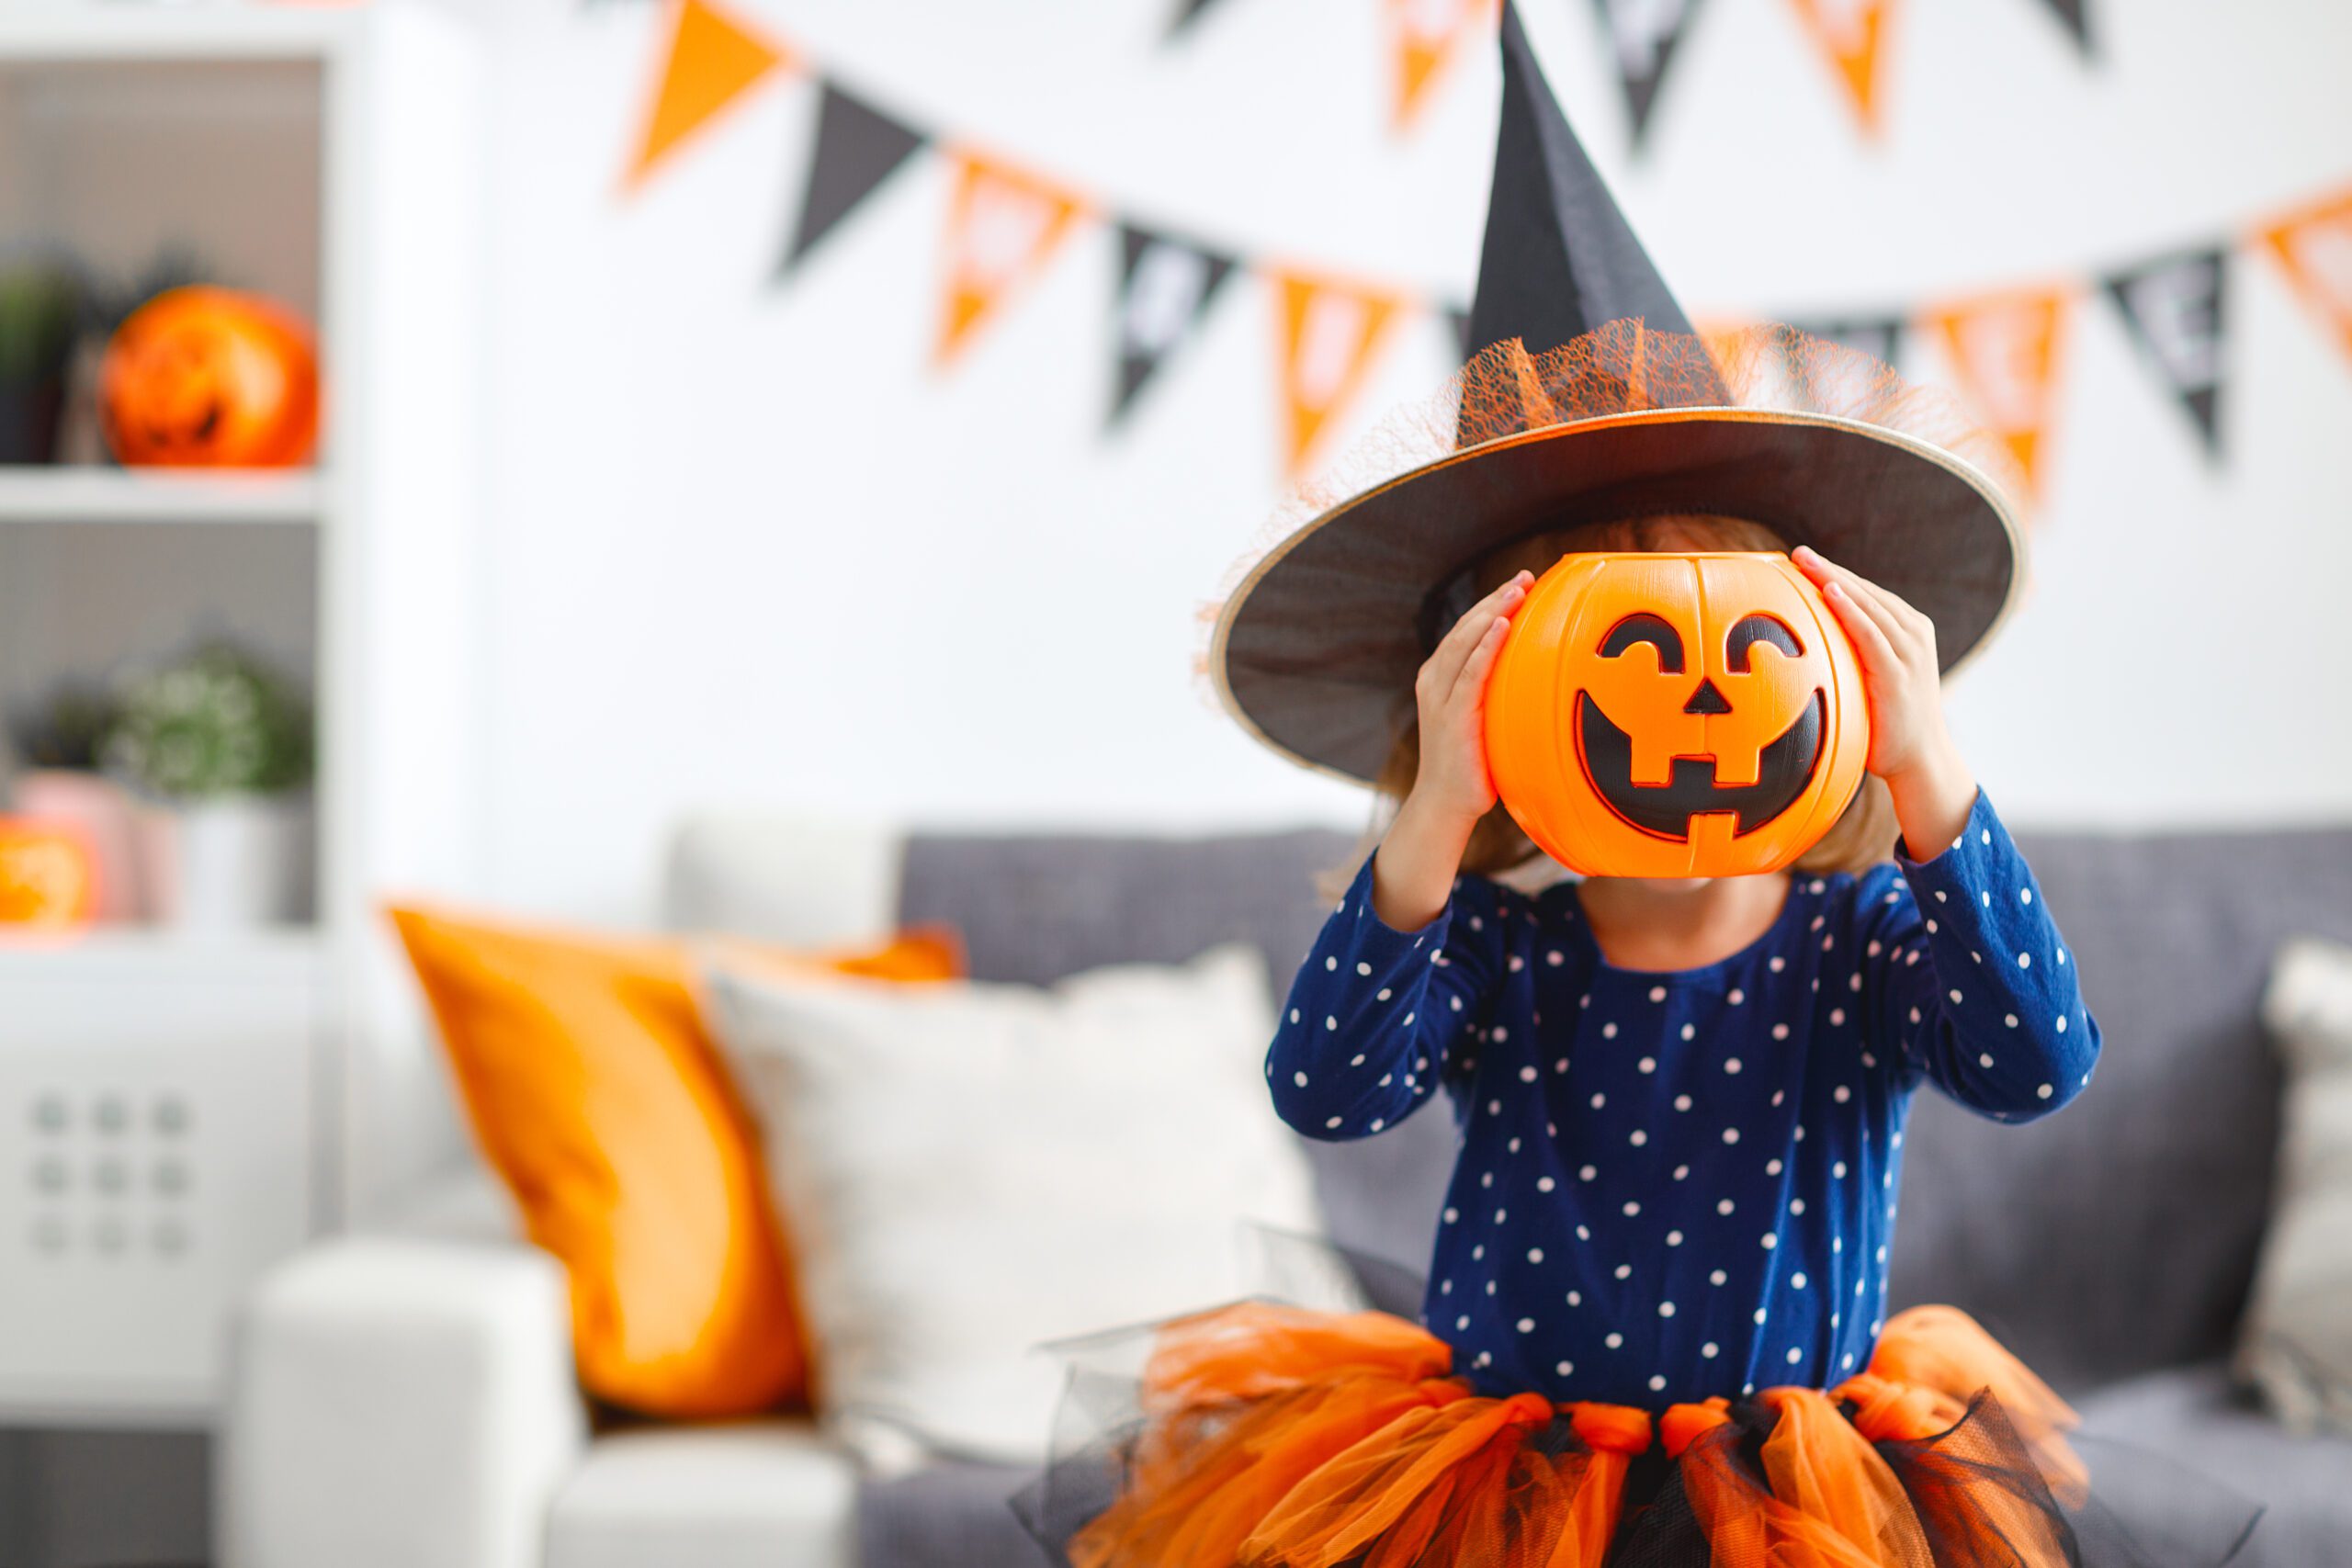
[747,547]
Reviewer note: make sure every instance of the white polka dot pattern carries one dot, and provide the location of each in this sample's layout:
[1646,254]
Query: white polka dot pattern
[1619,1158]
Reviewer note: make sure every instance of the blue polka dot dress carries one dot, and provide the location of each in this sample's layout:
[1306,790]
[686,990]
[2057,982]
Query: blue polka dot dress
[1676,1185]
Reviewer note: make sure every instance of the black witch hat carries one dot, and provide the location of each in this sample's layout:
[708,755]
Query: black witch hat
[1591,399]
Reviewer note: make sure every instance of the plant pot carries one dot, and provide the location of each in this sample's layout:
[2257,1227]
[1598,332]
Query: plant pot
[108,819]
[229,864]
[30,415]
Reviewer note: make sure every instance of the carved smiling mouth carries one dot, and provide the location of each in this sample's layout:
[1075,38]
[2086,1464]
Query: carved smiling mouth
[1783,770]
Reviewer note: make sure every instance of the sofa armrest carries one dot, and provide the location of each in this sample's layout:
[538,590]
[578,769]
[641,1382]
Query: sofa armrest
[399,1403]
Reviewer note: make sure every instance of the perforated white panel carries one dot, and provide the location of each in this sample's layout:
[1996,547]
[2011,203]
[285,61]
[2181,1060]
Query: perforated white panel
[154,1144]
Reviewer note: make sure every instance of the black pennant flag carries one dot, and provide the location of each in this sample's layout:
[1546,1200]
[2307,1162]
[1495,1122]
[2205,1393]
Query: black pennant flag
[1165,285]
[1881,337]
[1643,35]
[2174,307]
[1457,320]
[2074,15]
[1187,12]
[857,148]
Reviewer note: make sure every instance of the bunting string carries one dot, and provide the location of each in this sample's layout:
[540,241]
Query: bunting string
[2006,348]
[1643,35]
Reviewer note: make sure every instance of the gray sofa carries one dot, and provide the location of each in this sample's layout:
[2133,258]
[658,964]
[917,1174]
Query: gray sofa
[2111,1245]
[406,1399]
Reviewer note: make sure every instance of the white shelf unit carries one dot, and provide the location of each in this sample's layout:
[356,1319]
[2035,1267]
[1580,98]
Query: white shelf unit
[189,1108]
[63,494]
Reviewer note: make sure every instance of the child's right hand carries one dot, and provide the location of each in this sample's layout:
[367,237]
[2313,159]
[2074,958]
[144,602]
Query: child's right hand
[1454,785]
[1413,871]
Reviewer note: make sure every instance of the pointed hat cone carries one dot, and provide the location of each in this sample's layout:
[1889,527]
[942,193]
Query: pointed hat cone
[1559,258]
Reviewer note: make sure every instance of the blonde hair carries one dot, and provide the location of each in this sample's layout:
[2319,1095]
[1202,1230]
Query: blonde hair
[1862,836]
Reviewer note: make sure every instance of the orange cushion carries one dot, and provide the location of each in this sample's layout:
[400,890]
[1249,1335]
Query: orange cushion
[599,1099]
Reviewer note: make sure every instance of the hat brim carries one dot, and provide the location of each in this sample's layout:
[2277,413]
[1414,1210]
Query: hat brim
[1316,651]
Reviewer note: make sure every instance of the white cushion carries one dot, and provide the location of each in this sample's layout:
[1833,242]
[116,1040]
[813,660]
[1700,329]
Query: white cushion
[756,1495]
[969,1169]
[2296,1341]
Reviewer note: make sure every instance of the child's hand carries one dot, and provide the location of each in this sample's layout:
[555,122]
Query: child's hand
[1413,871]
[1900,676]
[1910,746]
[1450,692]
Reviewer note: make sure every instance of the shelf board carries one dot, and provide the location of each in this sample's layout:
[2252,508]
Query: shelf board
[68,494]
[155,952]
[69,30]
[164,1406]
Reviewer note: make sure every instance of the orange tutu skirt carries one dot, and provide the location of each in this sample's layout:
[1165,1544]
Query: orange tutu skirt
[1278,1436]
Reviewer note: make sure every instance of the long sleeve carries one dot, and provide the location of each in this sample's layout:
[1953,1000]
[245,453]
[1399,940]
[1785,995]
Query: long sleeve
[1967,970]
[1377,1018]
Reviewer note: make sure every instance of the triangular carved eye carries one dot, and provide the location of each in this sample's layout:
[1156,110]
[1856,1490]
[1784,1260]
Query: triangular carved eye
[1652,629]
[1753,629]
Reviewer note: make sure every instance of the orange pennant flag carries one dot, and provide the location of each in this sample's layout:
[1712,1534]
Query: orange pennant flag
[1001,226]
[2004,351]
[1852,33]
[712,60]
[1426,34]
[2314,246]
[1328,333]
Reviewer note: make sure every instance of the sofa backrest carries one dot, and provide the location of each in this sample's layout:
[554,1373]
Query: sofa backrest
[2120,1235]
[2114,1237]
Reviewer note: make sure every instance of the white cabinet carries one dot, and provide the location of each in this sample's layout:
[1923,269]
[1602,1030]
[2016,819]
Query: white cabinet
[146,1173]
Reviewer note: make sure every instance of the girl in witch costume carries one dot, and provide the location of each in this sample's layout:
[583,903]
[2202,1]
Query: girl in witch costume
[1655,1329]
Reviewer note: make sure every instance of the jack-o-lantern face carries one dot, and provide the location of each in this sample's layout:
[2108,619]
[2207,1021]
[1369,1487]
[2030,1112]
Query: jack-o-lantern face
[1656,715]
[209,378]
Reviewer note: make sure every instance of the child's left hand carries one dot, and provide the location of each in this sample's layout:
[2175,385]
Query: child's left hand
[1910,746]
[1900,675]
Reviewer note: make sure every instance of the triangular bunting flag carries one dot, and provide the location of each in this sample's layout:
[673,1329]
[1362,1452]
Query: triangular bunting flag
[2314,245]
[2004,352]
[1643,35]
[1327,333]
[711,61]
[1425,34]
[1165,285]
[1457,322]
[1187,12]
[2073,15]
[858,146]
[1880,337]
[1852,33]
[1002,225]
[2175,312]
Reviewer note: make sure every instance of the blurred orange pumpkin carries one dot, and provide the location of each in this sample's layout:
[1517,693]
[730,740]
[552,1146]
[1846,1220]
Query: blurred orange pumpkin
[210,377]
[47,876]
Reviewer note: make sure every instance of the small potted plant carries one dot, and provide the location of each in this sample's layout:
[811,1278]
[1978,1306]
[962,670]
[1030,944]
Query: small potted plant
[56,740]
[223,743]
[40,319]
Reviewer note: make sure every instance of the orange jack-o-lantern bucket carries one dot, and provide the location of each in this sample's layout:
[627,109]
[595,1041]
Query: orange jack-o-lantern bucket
[209,378]
[48,875]
[1675,715]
